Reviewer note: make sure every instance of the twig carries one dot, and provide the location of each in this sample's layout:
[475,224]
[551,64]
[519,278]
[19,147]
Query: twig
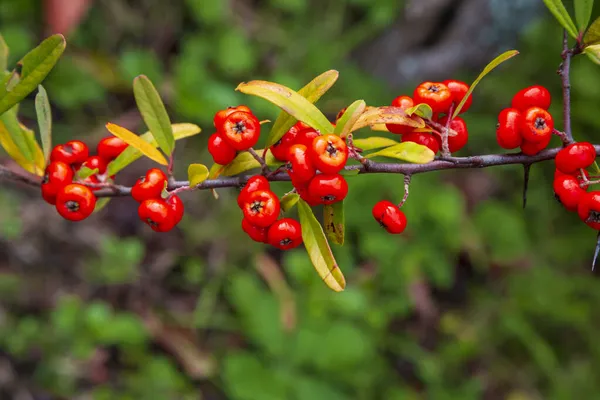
[261,161]
[24,177]
[445,146]
[564,72]
[406,185]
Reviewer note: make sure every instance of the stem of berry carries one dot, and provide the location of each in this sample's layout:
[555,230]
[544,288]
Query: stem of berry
[354,152]
[445,147]
[264,167]
[562,136]
[170,166]
[406,185]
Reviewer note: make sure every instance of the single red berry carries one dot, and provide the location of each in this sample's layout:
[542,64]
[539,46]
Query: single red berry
[176,205]
[94,162]
[241,130]
[221,152]
[281,149]
[589,209]
[532,96]
[72,152]
[256,233]
[93,180]
[257,182]
[222,114]
[306,136]
[436,95]
[157,214]
[577,174]
[75,202]
[302,167]
[110,147]
[328,189]
[404,102]
[149,186]
[285,234]
[261,208]
[508,129]
[568,192]
[537,124]
[329,153]
[57,175]
[455,143]
[459,90]
[305,195]
[424,138]
[532,148]
[389,216]
[575,156]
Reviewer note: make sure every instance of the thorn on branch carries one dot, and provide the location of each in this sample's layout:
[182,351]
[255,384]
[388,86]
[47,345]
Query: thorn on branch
[526,170]
[596,251]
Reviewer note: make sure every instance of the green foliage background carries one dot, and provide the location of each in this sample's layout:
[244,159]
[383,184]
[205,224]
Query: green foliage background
[516,303]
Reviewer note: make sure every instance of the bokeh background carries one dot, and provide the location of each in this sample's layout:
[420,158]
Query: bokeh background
[479,299]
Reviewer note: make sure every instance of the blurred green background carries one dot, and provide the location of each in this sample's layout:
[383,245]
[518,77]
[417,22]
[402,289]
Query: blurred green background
[479,299]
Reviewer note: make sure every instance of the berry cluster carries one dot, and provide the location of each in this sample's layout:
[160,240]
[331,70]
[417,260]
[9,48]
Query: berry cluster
[526,123]
[76,201]
[442,97]
[161,210]
[238,129]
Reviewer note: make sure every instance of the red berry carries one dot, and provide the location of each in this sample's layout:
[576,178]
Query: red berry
[302,168]
[257,182]
[221,152]
[176,205]
[92,179]
[537,125]
[424,138]
[306,136]
[589,209]
[261,208]
[459,90]
[72,152]
[157,214]
[285,234]
[328,189]
[329,153]
[575,156]
[94,162]
[305,195]
[532,148]
[578,175]
[222,114]
[389,216]
[436,95]
[255,233]
[404,102]
[241,130]
[57,175]
[281,149]
[75,202]
[149,186]
[455,143]
[568,191]
[110,147]
[533,96]
[508,129]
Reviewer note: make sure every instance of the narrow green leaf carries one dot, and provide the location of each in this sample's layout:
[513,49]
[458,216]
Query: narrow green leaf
[246,162]
[44,117]
[593,53]
[344,125]
[422,110]
[154,113]
[197,173]
[406,151]
[488,68]
[13,79]
[101,203]
[318,249]
[349,172]
[374,142]
[3,55]
[583,12]
[289,201]
[374,116]
[312,92]
[36,65]
[557,8]
[136,142]
[10,121]
[592,36]
[38,156]
[289,101]
[333,222]
[85,172]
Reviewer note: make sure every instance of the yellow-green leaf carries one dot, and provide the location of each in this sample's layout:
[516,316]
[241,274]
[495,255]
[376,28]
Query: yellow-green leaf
[288,201]
[583,12]
[11,123]
[35,66]
[373,116]
[13,152]
[311,92]
[557,8]
[3,55]
[592,36]
[488,68]
[333,222]
[154,113]
[245,162]
[406,151]
[422,110]
[38,154]
[85,172]
[318,249]
[44,117]
[344,125]
[289,101]
[593,53]
[131,154]
[101,203]
[136,142]
[374,142]
[197,173]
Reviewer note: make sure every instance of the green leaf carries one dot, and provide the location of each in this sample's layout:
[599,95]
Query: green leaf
[488,68]
[131,154]
[154,113]
[85,172]
[344,125]
[333,222]
[349,172]
[312,92]
[406,151]
[374,116]
[289,201]
[422,110]
[3,55]
[197,173]
[244,161]
[318,249]
[592,36]
[374,142]
[44,117]
[101,203]
[583,12]
[557,8]
[593,53]
[11,123]
[136,142]
[36,65]
[38,156]
[289,101]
